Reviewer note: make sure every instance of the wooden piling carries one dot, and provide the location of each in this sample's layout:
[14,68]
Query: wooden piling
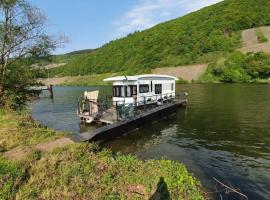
[50,89]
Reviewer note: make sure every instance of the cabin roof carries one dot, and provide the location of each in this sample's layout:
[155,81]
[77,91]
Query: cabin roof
[141,77]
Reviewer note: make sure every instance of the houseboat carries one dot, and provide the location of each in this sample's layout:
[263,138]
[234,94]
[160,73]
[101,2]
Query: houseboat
[142,89]
[130,96]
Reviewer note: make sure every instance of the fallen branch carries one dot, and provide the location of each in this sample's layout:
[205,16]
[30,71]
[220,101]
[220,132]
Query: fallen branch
[230,188]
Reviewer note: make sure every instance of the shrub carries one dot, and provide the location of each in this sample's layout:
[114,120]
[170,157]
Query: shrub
[236,75]
[239,67]
[260,36]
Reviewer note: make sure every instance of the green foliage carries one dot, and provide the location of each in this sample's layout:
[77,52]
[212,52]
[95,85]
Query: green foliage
[22,38]
[260,36]
[239,67]
[76,172]
[181,81]
[19,77]
[237,75]
[193,38]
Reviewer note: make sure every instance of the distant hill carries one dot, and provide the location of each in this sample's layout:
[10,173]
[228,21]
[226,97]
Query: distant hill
[198,37]
[80,52]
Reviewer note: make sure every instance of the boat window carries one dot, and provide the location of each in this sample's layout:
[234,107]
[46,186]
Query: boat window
[122,94]
[158,88]
[172,87]
[118,91]
[144,88]
[133,89]
[127,91]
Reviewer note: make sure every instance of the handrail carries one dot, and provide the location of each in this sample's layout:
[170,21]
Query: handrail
[126,110]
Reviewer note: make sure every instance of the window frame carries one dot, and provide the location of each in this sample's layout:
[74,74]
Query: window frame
[158,88]
[122,90]
[146,86]
[117,91]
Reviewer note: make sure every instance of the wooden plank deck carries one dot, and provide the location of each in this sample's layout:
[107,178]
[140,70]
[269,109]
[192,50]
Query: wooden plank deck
[121,127]
[108,117]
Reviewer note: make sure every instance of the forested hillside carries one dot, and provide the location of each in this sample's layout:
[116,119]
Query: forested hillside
[194,38]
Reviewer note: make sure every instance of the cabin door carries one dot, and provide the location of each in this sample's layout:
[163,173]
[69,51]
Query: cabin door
[158,91]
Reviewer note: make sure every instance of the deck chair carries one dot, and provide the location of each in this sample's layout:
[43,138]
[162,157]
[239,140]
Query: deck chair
[92,97]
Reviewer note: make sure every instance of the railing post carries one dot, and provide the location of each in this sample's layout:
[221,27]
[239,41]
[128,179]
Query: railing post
[117,114]
[144,102]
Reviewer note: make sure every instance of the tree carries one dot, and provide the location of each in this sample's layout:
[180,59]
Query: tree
[22,37]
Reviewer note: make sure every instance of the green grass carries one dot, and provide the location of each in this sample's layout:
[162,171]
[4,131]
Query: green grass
[261,37]
[11,178]
[84,171]
[20,130]
[76,172]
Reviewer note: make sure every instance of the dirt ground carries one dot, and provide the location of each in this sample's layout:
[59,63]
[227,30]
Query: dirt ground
[188,72]
[249,38]
[250,41]
[54,81]
[265,47]
[20,153]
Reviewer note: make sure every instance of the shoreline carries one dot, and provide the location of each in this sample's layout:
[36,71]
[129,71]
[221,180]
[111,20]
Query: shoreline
[97,80]
[125,170]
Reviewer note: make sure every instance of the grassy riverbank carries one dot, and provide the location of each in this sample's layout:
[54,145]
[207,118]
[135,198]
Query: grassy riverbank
[83,171]
[19,130]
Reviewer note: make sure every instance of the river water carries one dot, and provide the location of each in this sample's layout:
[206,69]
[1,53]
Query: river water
[224,133]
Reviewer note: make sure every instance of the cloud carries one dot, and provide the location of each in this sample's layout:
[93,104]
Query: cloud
[148,13]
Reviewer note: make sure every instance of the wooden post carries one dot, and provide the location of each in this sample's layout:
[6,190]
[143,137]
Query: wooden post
[50,89]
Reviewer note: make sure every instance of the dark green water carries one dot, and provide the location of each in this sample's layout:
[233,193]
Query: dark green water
[224,133]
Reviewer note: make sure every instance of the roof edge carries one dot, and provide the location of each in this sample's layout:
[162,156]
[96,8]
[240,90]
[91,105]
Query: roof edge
[134,78]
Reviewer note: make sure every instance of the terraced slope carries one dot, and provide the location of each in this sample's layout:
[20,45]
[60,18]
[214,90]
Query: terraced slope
[250,42]
[188,72]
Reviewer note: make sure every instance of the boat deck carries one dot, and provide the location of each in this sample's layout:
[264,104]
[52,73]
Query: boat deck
[118,128]
[108,117]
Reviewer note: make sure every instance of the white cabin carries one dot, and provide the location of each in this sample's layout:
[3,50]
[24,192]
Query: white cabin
[143,89]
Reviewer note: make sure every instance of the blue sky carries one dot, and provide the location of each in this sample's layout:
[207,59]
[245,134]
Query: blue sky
[92,23]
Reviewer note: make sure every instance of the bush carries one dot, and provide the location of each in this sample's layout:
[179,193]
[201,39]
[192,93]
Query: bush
[239,67]
[260,36]
[17,81]
[230,75]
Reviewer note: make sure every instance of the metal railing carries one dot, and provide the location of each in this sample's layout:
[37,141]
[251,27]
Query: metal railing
[123,110]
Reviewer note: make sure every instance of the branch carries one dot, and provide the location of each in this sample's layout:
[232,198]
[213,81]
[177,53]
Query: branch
[230,188]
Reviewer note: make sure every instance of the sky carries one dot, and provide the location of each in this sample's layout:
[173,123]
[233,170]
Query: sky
[89,24]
